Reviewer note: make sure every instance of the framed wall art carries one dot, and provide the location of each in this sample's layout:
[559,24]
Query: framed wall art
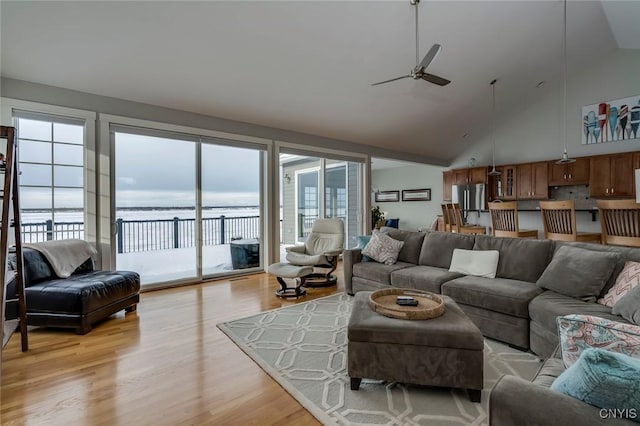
[611,121]
[387,196]
[416,194]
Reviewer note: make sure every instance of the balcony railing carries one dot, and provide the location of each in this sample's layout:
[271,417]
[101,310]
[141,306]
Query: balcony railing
[161,234]
[152,234]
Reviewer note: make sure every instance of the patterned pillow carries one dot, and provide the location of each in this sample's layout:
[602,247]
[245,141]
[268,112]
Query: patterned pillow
[579,332]
[626,281]
[382,248]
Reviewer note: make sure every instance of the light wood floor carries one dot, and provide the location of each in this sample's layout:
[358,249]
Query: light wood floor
[167,364]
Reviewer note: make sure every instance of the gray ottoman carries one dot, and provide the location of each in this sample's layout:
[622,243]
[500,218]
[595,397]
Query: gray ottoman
[445,351]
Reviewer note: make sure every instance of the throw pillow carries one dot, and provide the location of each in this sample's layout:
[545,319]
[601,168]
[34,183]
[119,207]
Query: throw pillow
[603,379]
[628,278]
[382,248]
[578,272]
[363,240]
[629,306]
[481,263]
[580,332]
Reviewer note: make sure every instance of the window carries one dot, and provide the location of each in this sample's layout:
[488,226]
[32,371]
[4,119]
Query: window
[52,170]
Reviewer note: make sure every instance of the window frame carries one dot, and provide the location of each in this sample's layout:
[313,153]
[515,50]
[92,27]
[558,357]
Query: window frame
[11,109]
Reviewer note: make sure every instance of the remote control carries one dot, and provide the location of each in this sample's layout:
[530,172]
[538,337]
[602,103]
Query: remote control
[405,302]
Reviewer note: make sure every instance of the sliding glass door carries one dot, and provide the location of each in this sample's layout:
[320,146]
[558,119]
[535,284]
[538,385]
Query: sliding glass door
[315,187]
[192,213]
[155,207]
[231,216]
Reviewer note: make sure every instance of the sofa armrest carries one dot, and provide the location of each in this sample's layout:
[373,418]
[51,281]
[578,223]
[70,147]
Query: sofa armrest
[515,401]
[349,258]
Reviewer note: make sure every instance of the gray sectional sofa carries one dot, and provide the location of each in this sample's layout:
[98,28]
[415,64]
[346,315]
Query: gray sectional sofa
[515,401]
[509,308]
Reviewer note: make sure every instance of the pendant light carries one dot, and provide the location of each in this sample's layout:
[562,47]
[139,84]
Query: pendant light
[565,156]
[493,171]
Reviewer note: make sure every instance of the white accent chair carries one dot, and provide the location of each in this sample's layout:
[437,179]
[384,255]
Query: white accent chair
[321,250]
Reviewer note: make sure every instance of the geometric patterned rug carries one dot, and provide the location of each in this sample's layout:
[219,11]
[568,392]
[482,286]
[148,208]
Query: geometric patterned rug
[304,348]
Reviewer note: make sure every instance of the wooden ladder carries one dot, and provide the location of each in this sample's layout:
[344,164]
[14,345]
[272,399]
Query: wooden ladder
[11,219]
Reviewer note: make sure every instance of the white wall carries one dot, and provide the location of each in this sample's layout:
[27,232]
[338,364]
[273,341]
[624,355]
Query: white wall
[412,214]
[533,132]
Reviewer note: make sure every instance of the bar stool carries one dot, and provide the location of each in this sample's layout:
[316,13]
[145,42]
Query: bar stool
[504,221]
[559,220]
[620,222]
[458,226]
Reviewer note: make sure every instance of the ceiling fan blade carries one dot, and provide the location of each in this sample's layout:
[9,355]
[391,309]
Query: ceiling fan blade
[393,79]
[435,79]
[430,56]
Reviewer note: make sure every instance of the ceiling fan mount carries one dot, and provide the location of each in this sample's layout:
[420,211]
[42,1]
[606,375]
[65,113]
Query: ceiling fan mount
[418,73]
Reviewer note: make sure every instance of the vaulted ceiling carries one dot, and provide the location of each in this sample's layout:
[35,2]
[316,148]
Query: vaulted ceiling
[307,66]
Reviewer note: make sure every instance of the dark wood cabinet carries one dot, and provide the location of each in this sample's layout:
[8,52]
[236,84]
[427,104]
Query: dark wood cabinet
[447,181]
[532,181]
[569,174]
[473,175]
[611,176]
[461,177]
[622,175]
[478,175]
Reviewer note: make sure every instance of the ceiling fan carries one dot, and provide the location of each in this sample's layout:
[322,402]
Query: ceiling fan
[419,71]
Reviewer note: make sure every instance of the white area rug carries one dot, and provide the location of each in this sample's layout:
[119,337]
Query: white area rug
[304,348]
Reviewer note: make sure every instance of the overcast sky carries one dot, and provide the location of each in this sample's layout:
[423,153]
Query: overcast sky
[149,171]
[152,171]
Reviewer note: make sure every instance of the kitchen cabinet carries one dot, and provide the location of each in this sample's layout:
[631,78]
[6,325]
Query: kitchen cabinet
[447,181]
[611,176]
[576,173]
[507,183]
[473,175]
[532,181]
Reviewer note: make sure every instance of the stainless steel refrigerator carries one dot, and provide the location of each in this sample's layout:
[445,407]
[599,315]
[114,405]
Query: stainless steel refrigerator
[470,197]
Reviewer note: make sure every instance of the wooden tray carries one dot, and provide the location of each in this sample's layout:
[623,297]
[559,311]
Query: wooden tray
[430,305]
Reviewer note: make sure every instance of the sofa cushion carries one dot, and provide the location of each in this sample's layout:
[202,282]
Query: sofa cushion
[603,379]
[546,307]
[520,258]
[36,267]
[81,294]
[549,372]
[495,294]
[426,278]
[626,254]
[412,243]
[481,263]
[379,272]
[437,249]
[578,272]
[629,306]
